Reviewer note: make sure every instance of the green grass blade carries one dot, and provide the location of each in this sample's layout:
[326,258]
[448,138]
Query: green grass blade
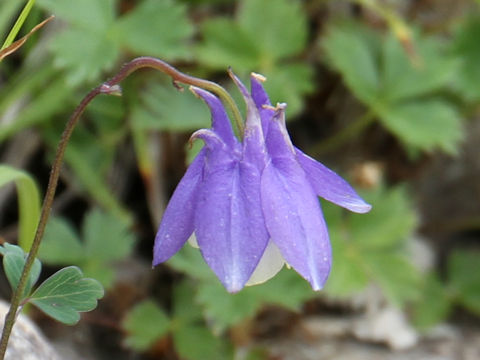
[18,24]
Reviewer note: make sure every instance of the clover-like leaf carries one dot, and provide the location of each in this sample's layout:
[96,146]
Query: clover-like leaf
[13,263]
[66,293]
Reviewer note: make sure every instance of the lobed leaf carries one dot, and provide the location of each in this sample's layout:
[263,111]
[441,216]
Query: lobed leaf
[66,293]
[13,263]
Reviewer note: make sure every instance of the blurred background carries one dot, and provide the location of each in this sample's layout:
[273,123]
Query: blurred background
[386,93]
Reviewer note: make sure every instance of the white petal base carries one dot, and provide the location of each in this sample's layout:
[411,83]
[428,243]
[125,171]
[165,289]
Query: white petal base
[270,264]
[192,241]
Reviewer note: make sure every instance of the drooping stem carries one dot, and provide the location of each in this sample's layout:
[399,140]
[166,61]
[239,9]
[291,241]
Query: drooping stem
[109,87]
[179,77]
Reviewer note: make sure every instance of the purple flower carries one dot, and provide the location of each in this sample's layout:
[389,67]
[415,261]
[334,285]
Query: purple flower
[252,205]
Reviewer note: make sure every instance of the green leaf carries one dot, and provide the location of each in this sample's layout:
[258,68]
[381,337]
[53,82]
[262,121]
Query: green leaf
[66,293]
[192,338]
[157,28]
[463,278]
[278,27]
[227,44]
[145,324]
[106,237]
[348,274]
[18,24]
[381,74]
[466,47]
[60,244]
[263,38]
[286,289]
[86,48]
[83,54]
[371,248]
[351,51]
[13,263]
[196,342]
[164,108]
[28,203]
[388,224]
[433,305]
[404,77]
[425,124]
[188,260]
[88,15]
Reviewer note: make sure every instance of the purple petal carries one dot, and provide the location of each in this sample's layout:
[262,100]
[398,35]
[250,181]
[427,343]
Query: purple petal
[291,208]
[253,139]
[178,220]
[330,186]
[229,222]
[294,220]
[262,101]
[220,121]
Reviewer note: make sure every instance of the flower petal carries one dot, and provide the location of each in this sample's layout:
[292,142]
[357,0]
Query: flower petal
[294,220]
[253,140]
[220,122]
[291,208]
[229,222]
[270,264]
[178,220]
[330,186]
[261,99]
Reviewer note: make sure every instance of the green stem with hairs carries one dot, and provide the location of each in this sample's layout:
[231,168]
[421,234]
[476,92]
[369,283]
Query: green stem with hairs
[110,87]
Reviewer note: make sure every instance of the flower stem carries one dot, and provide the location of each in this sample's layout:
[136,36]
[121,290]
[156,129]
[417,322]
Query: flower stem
[345,134]
[109,87]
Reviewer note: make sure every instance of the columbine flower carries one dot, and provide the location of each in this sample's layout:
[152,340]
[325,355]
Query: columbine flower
[253,205]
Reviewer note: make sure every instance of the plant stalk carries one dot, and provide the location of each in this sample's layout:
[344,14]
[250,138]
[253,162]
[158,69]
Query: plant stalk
[109,87]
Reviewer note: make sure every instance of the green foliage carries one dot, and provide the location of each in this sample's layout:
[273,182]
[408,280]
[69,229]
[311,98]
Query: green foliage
[164,108]
[13,264]
[28,203]
[148,323]
[464,280]
[372,247]
[434,305]
[62,296]
[400,88]
[467,48]
[286,289]
[145,323]
[93,41]
[461,288]
[106,239]
[18,24]
[66,293]
[165,35]
[258,40]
